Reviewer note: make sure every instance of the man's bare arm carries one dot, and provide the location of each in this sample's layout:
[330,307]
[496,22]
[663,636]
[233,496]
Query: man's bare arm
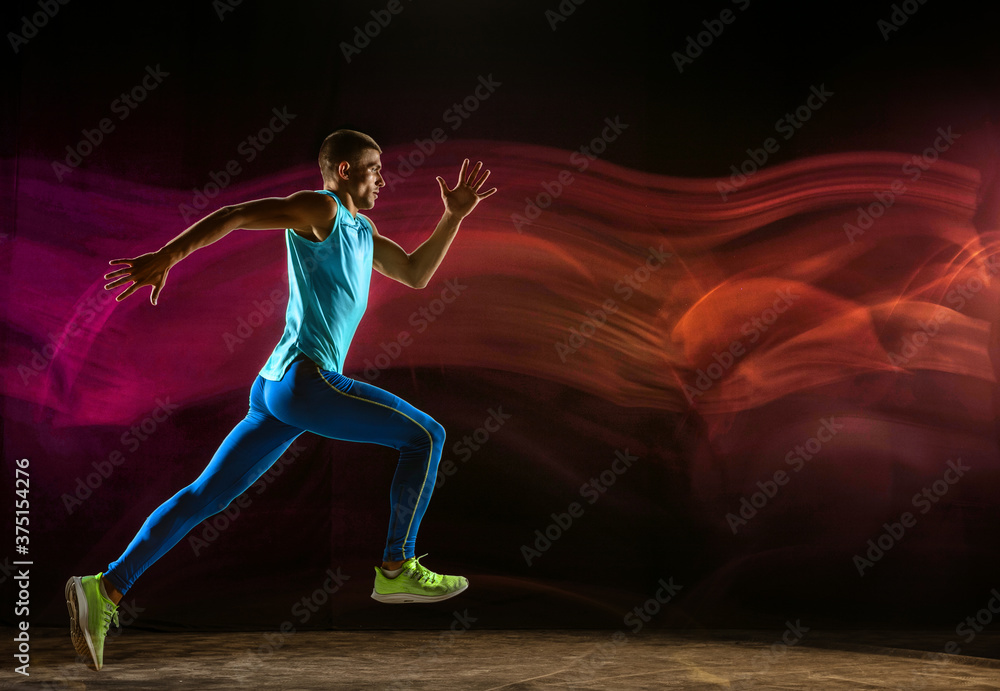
[301,210]
[416,268]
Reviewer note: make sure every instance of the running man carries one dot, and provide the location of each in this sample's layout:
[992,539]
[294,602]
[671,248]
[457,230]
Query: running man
[332,250]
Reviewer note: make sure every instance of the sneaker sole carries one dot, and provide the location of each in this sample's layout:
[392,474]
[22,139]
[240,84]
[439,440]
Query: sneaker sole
[400,598]
[76,603]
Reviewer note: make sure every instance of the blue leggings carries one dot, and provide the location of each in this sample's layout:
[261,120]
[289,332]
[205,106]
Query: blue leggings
[306,399]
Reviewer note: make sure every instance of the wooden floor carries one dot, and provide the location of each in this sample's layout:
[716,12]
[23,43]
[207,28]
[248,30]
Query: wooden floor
[470,659]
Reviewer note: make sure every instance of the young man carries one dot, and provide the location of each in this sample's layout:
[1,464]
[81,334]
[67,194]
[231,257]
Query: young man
[331,251]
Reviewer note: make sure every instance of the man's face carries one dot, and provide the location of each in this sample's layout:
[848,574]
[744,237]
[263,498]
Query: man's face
[365,179]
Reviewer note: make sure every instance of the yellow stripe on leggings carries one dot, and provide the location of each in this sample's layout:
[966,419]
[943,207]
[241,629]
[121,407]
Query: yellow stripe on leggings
[430,454]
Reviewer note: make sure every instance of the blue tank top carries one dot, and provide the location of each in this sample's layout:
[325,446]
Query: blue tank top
[327,294]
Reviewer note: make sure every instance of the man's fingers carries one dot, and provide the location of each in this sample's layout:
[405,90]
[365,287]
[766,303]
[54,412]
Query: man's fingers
[155,293]
[117,272]
[479,183]
[487,193]
[461,173]
[121,281]
[128,291]
[122,261]
[474,173]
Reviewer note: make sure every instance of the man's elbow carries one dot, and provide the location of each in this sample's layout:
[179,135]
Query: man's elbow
[232,215]
[415,276]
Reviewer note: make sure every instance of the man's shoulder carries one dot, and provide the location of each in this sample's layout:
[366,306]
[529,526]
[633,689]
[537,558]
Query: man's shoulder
[316,195]
[368,221]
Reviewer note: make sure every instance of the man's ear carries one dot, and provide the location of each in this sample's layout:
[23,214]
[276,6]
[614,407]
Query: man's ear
[343,169]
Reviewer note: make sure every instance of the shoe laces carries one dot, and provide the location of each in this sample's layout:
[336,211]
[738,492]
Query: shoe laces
[110,613]
[422,572]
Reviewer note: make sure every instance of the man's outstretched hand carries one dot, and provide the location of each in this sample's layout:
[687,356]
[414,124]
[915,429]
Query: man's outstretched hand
[149,269]
[461,200]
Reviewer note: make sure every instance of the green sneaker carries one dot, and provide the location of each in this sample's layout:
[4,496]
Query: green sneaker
[90,616]
[416,583]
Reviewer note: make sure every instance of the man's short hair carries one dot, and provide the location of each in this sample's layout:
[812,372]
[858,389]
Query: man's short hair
[343,145]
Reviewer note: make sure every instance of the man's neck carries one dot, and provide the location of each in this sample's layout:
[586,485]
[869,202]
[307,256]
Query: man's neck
[345,200]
